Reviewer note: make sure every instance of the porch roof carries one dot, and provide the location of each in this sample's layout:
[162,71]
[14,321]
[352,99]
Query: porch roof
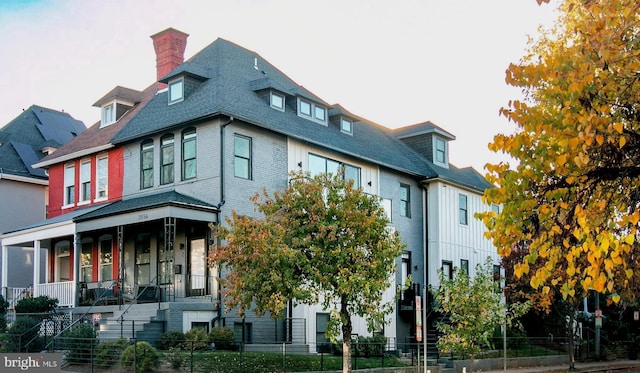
[147,208]
[61,225]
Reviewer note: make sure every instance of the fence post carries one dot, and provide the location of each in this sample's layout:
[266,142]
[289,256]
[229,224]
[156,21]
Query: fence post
[91,353]
[284,357]
[135,355]
[191,352]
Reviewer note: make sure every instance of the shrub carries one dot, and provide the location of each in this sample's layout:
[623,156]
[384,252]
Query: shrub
[223,338]
[79,340]
[108,353]
[146,357]
[24,335]
[196,339]
[176,357]
[171,339]
[41,304]
[4,306]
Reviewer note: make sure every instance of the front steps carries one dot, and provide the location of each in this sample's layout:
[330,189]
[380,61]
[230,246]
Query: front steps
[144,322]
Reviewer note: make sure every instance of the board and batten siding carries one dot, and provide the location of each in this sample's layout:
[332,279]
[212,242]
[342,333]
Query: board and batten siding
[448,239]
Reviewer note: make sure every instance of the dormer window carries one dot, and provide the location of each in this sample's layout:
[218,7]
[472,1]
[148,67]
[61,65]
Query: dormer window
[310,110]
[176,91]
[108,114]
[276,101]
[440,152]
[346,126]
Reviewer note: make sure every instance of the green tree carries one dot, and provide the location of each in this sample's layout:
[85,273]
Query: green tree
[321,240]
[475,308]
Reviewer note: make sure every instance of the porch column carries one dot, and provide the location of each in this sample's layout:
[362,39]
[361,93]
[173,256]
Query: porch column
[5,267]
[120,243]
[36,263]
[77,248]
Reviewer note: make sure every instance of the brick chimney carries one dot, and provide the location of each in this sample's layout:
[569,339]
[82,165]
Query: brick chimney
[169,46]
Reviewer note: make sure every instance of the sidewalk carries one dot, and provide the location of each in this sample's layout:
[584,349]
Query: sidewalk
[580,367]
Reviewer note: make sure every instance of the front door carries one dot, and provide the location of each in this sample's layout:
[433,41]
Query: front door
[197,268]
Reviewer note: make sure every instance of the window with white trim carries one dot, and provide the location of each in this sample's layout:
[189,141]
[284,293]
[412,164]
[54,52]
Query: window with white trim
[440,152]
[86,260]
[108,114]
[102,177]
[189,154]
[311,110]
[166,159]
[85,180]
[106,258]
[69,184]
[276,101]
[346,126]
[176,91]
[146,164]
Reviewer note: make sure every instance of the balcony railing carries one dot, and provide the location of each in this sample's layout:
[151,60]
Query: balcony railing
[64,292]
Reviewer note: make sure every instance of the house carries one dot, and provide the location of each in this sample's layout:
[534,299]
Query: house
[215,130]
[33,134]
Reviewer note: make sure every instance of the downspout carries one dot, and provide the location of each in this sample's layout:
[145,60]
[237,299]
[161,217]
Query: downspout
[218,206]
[425,297]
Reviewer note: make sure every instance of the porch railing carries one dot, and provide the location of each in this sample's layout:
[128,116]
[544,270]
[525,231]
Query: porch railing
[64,292]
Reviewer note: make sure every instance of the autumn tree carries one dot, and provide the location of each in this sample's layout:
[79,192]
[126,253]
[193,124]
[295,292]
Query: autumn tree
[319,241]
[475,308]
[571,198]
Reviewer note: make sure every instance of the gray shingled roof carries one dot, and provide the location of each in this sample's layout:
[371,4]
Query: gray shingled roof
[145,202]
[231,87]
[23,139]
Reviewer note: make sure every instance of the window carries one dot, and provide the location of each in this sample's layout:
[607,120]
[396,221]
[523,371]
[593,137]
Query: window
[63,262]
[242,157]
[165,261]
[146,164]
[405,200]
[143,259]
[463,211]
[69,184]
[405,269]
[102,177]
[85,181]
[464,266]
[176,91]
[106,259]
[277,101]
[312,111]
[86,261]
[495,208]
[346,126]
[189,154]
[166,159]
[440,151]
[447,269]
[319,165]
[386,205]
[108,114]
[322,326]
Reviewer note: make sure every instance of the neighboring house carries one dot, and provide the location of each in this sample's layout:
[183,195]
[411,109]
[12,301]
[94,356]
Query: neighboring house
[222,126]
[33,134]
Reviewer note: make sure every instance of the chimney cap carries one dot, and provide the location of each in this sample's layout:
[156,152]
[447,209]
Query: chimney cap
[169,30]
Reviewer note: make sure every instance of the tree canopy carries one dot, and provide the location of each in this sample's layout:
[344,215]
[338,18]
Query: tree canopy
[571,199]
[321,240]
[474,307]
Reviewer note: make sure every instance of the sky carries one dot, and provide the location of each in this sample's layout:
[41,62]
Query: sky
[395,63]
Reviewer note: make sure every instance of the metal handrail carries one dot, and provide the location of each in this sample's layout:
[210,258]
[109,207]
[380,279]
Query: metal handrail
[135,299]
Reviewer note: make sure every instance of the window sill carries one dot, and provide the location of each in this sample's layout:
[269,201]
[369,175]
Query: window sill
[68,206]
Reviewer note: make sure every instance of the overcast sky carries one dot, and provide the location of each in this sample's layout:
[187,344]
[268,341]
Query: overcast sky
[393,62]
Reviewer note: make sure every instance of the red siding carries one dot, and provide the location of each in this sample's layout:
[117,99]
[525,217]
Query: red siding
[56,182]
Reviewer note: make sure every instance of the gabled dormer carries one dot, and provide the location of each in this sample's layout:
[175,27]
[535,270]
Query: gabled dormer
[431,141]
[343,119]
[116,103]
[181,83]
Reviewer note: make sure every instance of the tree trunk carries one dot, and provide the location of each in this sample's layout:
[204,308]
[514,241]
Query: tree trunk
[346,337]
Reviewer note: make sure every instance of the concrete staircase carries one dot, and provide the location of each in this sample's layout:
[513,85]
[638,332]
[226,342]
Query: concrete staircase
[144,322]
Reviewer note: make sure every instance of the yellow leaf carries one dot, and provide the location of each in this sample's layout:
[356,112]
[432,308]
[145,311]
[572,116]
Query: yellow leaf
[629,273]
[618,127]
[615,298]
[622,141]
[629,239]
